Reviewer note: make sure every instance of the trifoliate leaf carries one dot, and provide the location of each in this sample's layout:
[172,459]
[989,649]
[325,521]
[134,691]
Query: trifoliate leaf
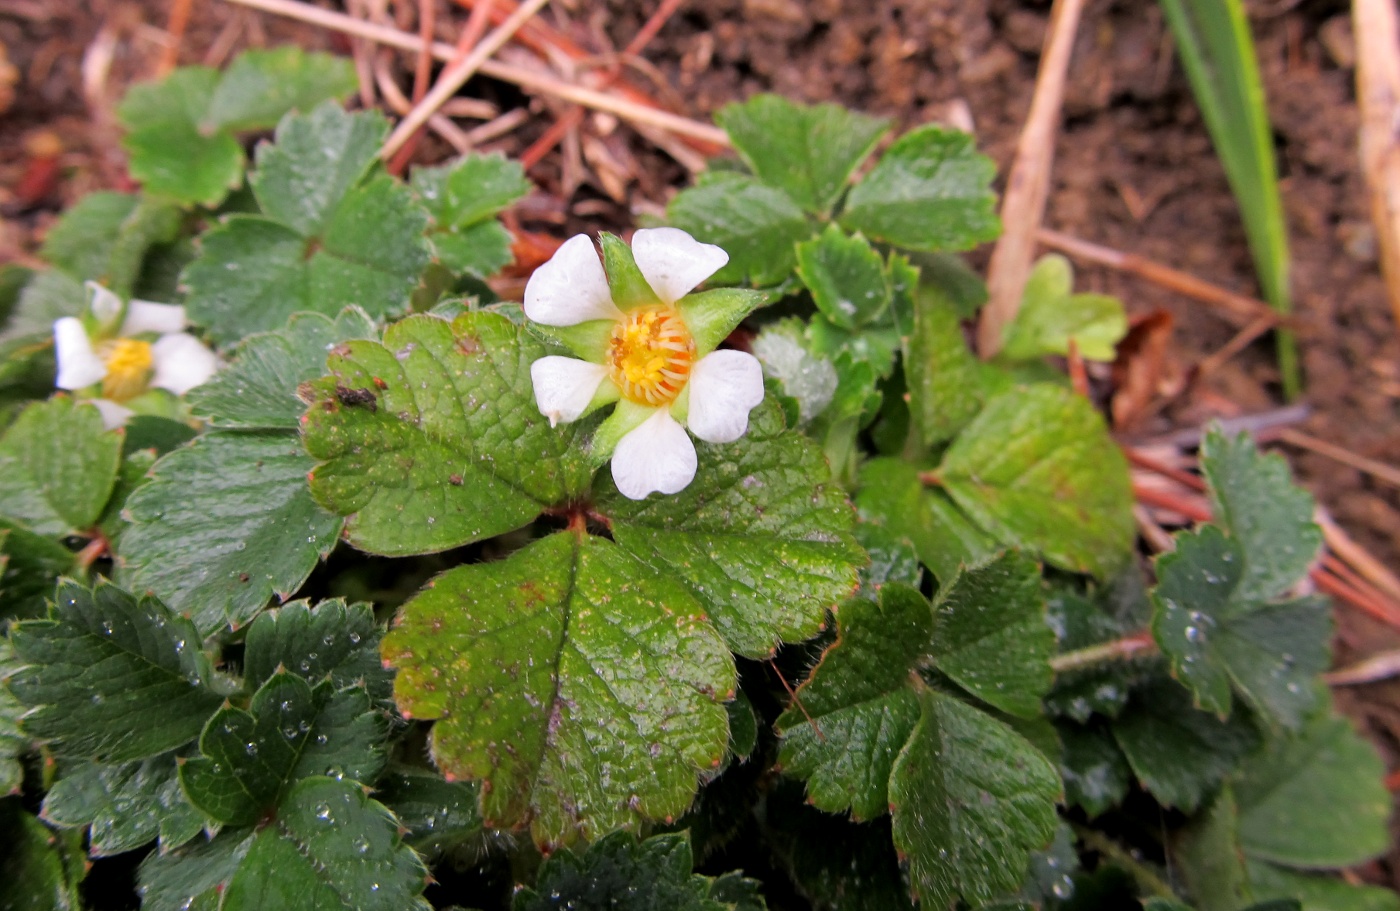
[236,506]
[471,189]
[169,154]
[893,495]
[846,276]
[57,466]
[582,688]
[991,636]
[620,874]
[807,151]
[1180,754]
[13,743]
[971,799]
[1262,509]
[437,813]
[111,677]
[262,85]
[1037,469]
[1052,316]
[809,378]
[327,642]
[289,733]
[1314,800]
[948,385]
[328,847]
[1095,772]
[1317,893]
[433,439]
[33,564]
[859,703]
[126,805]
[929,191]
[755,540]
[258,391]
[41,869]
[1218,636]
[754,223]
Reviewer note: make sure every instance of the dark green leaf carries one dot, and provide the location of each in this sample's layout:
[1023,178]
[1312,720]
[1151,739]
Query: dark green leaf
[40,871]
[170,155]
[859,703]
[893,495]
[105,237]
[33,564]
[111,677]
[1095,773]
[971,799]
[438,814]
[57,466]
[262,85]
[126,805]
[892,558]
[581,687]
[435,440]
[1037,469]
[1317,893]
[620,874]
[846,277]
[763,547]
[807,151]
[13,743]
[328,642]
[929,191]
[49,296]
[1208,854]
[235,505]
[754,223]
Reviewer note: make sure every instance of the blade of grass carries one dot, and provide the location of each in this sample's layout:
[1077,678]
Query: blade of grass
[1217,50]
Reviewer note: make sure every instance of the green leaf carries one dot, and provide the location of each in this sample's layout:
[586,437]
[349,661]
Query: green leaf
[329,847]
[13,742]
[754,223]
[438,814]
[126,805]
[929,191]
[1179,754]
[262,85]
[105,236]
[860,706]
[846,276]
[1257,503]
[580,686]
[893,495]
[1120,609]
[1052,316]
[807,151]
[57,466]
[1095,772]
[948,384]
[1219,637]
[48,296]
[765,549]
[1317,893]
[111,677]
[327,642]
[480,251]
[33,564]
[237,506]
[971,799]
[1208,853]
[289,733]
[991,636]
[169,154]
[783,350]
[1314,800]
[41,872]
[470,190]
[620,874]
[258,391]
[1037,469]
[433,439]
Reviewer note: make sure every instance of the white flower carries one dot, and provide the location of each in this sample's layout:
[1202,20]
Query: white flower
[648,344]
[125,364]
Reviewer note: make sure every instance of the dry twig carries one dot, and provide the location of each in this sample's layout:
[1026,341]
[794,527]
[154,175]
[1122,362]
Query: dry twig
[1378,96]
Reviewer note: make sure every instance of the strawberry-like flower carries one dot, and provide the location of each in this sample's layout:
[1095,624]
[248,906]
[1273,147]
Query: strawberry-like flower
[647,343]
[119,353]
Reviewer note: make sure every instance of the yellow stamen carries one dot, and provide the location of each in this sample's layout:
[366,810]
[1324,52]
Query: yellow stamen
[650,355]
[129,364]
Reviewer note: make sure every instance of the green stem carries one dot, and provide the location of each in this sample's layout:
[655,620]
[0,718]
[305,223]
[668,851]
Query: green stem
[1146,878]
[1131,646]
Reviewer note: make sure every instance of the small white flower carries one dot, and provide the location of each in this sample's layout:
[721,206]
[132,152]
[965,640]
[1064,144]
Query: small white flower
[648,344]
[125,365]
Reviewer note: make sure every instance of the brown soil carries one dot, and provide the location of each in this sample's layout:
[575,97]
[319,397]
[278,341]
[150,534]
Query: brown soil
[1134,170]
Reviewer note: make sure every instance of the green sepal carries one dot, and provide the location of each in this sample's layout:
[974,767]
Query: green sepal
[588,340]
[712,315]
[629,287]
[626,417]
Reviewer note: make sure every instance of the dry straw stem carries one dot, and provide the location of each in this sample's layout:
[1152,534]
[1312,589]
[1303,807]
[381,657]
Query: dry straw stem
[516,75]
[1378,96]
[1028,186]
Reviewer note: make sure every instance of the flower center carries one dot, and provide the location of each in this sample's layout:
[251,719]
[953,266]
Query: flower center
[128,369]
[650,355]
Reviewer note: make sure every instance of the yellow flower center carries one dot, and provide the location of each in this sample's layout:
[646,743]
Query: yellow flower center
[128,369]
[650,355]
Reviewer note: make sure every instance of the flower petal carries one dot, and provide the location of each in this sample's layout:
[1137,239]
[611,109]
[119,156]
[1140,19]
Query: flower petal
[724,387]
[78,365]
[571,288]
[144,316]
[564,386]
[657,456]
[103,304]
[182,362]
[674,262]
[113,415]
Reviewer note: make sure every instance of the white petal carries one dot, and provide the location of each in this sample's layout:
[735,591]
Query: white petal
[673,262]
[564,386]
[144,316]
[182,362]
[571,288]
[103,304]
[78,365]
[113,415]
[724,387]
[657,456]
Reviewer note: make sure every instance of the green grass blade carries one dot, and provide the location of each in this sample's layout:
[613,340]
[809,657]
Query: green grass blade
[1217,51]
